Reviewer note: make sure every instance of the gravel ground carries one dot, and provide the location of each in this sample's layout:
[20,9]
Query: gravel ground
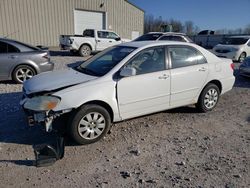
[175,148]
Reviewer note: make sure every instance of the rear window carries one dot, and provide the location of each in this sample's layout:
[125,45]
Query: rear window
[88,33]
[152,36]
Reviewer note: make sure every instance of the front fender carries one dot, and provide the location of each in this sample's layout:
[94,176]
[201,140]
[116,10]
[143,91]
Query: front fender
[76,96]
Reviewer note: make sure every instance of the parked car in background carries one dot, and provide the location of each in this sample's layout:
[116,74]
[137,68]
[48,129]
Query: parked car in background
[20,62]
[160,36]
[161,75]
[91,41]
[236,48]
[244,68]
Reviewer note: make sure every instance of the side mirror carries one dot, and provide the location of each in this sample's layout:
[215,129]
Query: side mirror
[118,38]
[128,71]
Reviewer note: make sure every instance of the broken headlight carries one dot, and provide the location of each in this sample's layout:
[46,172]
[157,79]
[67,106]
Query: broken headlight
[42,103]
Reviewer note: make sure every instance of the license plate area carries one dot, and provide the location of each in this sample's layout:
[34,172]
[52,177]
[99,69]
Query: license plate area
[36,118]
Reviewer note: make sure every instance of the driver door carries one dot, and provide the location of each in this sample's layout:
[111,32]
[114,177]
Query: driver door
[149,90]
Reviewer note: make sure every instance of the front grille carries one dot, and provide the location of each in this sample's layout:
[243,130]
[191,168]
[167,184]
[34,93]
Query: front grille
[222,51]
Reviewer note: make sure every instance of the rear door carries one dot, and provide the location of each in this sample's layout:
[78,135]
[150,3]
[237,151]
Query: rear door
[149,90]
[189,71]
[8,58]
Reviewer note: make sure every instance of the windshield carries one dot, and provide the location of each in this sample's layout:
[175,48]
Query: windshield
[234,41]
[103,62]
[152,36]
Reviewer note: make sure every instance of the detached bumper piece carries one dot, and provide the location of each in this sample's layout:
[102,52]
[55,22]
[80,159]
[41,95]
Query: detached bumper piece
[47,154]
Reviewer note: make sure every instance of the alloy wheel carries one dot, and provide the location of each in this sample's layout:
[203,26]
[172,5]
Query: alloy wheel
[211,98]
[91,125]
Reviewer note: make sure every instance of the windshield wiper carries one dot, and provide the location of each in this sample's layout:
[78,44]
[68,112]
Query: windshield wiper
[87,71]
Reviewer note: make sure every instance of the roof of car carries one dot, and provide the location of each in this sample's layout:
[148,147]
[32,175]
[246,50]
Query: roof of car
[139,44]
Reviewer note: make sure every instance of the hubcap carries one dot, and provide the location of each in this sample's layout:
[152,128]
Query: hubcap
[211,98]
[85,50]
[23,74]
[91,125]
[242,57]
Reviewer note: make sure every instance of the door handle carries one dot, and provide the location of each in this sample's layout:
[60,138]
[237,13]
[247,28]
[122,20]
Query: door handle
[202,69]
[163,77]
[110,41]
[98,41]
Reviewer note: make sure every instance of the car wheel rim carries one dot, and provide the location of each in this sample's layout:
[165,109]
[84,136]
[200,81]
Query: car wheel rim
[91,125]
[211,98]
[242,57]
[24,74]
[85,51]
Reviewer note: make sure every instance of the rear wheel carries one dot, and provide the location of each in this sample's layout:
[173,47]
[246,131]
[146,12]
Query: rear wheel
[23,73]
[85,51]
[209,98]
[89,124]
[242,57]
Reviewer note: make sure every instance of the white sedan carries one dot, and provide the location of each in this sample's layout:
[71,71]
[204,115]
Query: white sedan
[127,81]
[236,48]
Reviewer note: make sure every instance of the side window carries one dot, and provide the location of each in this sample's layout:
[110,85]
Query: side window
[185,56]
[178,38]
[89,33]
[148,61]
[12,49]
[3,47]
[7,48]
[102,34]
[166,38]
[112,35]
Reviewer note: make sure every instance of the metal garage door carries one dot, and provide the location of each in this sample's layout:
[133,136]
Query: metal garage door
[88,20]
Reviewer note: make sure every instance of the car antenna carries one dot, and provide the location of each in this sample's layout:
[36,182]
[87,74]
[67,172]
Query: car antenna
[11,34]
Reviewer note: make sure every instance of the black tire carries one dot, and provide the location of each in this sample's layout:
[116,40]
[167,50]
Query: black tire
[243,55]
[202,105]
[74,125]
[29,73]
[85,50]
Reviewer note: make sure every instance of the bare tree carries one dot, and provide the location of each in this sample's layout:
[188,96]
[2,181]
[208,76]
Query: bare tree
[189,27]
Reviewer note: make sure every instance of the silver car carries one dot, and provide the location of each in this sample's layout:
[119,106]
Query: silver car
[19,61]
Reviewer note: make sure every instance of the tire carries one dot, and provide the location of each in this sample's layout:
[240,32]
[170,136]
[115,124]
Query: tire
[209,98]
[23,73]
[85,51]
[89,121]
[243,55]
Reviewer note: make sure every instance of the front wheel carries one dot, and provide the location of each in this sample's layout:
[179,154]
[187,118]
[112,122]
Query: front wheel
[89,124]
[209,98]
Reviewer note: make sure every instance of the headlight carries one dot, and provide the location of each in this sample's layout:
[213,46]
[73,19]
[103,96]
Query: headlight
[41,103]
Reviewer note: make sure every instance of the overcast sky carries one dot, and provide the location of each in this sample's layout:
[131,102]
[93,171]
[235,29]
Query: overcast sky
[206,14]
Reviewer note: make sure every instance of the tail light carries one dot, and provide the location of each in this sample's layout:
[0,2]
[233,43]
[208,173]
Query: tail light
[232,66]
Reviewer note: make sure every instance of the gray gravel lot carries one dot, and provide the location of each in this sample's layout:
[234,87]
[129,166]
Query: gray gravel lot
[175,148]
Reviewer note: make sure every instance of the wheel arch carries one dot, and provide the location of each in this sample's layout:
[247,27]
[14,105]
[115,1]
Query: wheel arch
[87,45]
[216,82]
[104,105]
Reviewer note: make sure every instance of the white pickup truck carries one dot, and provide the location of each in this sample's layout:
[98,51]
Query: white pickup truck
[91,41]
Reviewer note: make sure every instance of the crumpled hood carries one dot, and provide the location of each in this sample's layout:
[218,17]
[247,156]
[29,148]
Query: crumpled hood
[53,80]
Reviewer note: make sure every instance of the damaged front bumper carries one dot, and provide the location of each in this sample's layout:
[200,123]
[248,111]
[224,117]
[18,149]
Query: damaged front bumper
[38,113]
